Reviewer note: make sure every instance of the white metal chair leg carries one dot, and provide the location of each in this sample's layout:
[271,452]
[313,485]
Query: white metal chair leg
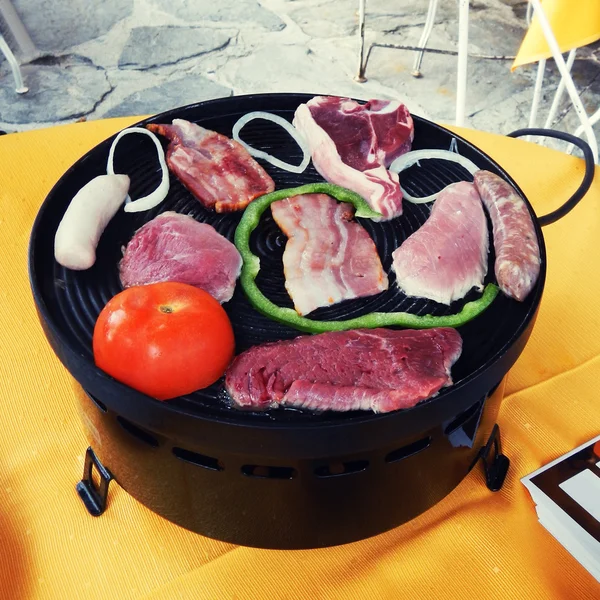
[463,46]
[360,71]
[564,73]
[559,92]
[429,21]
[17,29]
[529,14]
[20,87]
[537,92]
[593,120]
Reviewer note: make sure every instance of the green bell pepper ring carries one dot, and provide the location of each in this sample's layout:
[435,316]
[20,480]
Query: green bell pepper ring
[288,316]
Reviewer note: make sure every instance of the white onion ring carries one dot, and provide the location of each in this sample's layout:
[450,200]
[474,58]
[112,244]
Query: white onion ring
[268,157]
[160,193]
[410,158]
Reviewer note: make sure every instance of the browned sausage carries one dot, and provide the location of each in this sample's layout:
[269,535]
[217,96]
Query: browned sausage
[517,251]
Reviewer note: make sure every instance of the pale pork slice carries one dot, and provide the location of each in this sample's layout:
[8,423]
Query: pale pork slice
[176,247]
[352,145]
[364,369]
[218,171]
[328,257]
[447,256]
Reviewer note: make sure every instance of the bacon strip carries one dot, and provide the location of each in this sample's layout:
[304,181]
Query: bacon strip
[218,171]
[328,257]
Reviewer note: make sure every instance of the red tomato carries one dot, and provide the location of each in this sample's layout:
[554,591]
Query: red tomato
[163,339]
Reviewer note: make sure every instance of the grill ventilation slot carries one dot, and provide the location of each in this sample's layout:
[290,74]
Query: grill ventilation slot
[462,430]
[136,432]
[463,418]
[269,472]
[206,462]
[409,450]
[341,468]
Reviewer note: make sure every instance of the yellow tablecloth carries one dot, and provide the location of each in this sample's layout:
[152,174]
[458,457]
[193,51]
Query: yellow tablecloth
[473,544]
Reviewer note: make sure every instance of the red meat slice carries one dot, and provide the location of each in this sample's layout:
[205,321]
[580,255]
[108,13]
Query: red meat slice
[365,369]
[175,247]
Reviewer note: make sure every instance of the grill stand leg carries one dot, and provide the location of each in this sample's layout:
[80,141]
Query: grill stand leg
[495,464]
[92,496]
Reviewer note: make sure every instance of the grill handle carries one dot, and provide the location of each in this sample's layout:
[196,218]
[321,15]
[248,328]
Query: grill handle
[590,168]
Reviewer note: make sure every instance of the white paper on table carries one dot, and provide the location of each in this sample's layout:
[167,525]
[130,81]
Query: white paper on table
[567,496]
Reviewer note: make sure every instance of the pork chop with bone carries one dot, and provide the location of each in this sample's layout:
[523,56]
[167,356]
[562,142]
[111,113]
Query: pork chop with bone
[352,145]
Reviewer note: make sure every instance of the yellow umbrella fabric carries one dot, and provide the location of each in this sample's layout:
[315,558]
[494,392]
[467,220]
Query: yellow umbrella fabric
[575,23]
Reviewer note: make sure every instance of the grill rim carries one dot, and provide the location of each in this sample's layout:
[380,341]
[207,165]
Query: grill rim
[158,413]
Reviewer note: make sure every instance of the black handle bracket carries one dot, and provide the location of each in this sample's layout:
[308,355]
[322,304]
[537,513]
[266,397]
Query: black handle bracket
[94,497]
[590,169]
[495,464]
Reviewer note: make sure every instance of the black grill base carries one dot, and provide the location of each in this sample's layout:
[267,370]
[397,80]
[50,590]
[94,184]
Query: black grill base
[277,502]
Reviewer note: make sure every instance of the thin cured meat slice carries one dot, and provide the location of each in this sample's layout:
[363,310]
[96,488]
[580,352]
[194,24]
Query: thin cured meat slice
[447,256]
[352,145]
[364,369]
[328,257]
[518,258]
[218,171]
[175,247]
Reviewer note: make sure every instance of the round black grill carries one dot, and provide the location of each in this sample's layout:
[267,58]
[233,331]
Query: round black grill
[71,301]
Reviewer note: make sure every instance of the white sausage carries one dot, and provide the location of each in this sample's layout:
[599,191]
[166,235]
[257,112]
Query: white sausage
[86,217]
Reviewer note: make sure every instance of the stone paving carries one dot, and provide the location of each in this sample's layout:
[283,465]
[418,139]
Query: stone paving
[133,57]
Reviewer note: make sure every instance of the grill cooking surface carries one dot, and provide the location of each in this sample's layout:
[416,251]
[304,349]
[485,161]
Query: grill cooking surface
[74,299]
